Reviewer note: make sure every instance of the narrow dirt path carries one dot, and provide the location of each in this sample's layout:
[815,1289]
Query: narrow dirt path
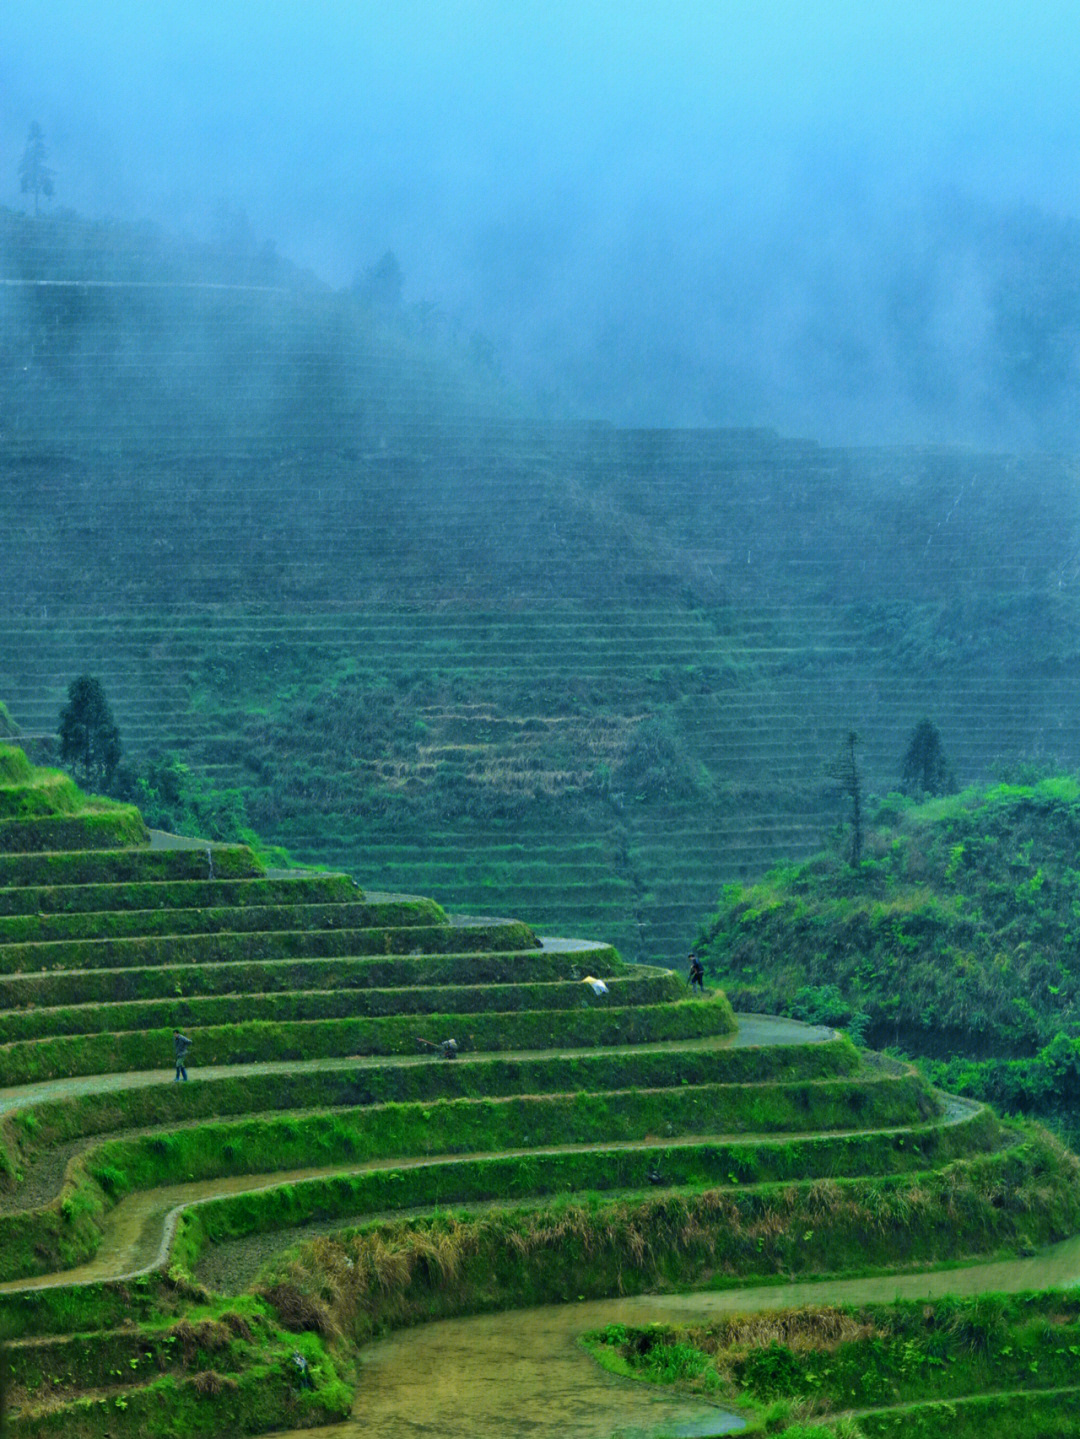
[754,1030]
[138,1230]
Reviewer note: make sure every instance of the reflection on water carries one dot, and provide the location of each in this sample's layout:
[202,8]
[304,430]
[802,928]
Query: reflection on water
[522,1375]
[511,1375]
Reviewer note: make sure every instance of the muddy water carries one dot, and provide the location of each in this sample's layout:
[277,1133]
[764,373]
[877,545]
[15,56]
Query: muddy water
[522,1376]
[513,1375]
[504,1375]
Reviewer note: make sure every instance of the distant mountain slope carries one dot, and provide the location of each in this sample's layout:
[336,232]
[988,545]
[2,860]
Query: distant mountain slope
[588,673]
[115,337]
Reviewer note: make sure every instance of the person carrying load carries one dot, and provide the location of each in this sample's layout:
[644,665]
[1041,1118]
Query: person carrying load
[448,1048]
[181,1045]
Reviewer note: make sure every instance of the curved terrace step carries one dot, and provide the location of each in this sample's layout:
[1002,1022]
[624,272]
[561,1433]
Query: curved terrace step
[310,1101]
[138,1236]
[755,1031]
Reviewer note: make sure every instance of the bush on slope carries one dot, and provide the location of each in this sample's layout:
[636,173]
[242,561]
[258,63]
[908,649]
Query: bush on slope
[955,939]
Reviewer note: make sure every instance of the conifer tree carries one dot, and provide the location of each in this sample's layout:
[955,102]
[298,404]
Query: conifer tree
[35,177]
[925,769]
[89,738]
[844,771]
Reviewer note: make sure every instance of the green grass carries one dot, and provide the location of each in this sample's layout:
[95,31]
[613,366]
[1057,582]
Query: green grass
[573,1156]
[249,1042]
[955,939]
[453,1264]
[92,986]
[104,866]
[294,1006]
[1003,1364]
[29,1132]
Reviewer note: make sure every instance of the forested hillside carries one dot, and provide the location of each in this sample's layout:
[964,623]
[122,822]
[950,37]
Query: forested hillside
[319,557]
[955,938]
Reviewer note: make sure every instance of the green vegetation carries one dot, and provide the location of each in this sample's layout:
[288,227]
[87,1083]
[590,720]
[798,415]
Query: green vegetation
[581,1142]
[925,770]
[111,867]
[29,1133]
[955,1366]
[89,738]
[303,625]
[215,1364]
[955,940]
[390,1274]
[35,1241]
[322,650]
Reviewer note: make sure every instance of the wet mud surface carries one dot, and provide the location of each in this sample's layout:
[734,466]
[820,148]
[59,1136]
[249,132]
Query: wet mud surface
[522,1375]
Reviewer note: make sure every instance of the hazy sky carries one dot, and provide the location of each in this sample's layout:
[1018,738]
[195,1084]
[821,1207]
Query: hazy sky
[599,186]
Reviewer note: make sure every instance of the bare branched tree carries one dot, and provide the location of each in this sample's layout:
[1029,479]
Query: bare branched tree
[844,772]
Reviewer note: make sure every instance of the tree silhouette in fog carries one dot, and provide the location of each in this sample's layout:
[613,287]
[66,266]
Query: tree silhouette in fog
[381,284]
[89,738]
[35,177]
[844,772]
[925,769]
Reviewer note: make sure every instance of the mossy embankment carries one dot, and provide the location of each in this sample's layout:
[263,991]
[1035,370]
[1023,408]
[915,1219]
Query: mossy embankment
[183,949]
[28,1133]
[105,824]
[34,870]
[1001,1364]
[68,1230]
[119,923]
[954,939]
[191,1367]
[388,1274]
[76,895]
[200,1012]
[31,1061]
[418,972]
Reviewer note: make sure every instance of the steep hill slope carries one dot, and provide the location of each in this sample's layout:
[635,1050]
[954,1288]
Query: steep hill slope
[590,1140]
[955,939]
[277,526]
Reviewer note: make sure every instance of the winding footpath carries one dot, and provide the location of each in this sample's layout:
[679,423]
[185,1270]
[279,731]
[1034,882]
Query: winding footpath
[139,1229]
[519,1373]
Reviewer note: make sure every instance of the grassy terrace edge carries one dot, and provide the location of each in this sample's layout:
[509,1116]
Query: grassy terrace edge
[997,1363]
[32,1061]
[544,1161]
[27,1134]
[801,1115]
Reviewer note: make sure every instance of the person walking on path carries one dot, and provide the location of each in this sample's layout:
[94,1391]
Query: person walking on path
[696,977]
[181,1045]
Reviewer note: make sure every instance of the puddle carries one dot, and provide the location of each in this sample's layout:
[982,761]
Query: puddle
[514,1376]
[521,1375]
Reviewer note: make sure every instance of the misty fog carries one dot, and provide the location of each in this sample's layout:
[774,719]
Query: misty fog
[849,222]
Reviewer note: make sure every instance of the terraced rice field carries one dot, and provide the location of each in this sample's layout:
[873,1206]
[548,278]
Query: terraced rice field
[401,653]
[581,1143]
[504,789]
